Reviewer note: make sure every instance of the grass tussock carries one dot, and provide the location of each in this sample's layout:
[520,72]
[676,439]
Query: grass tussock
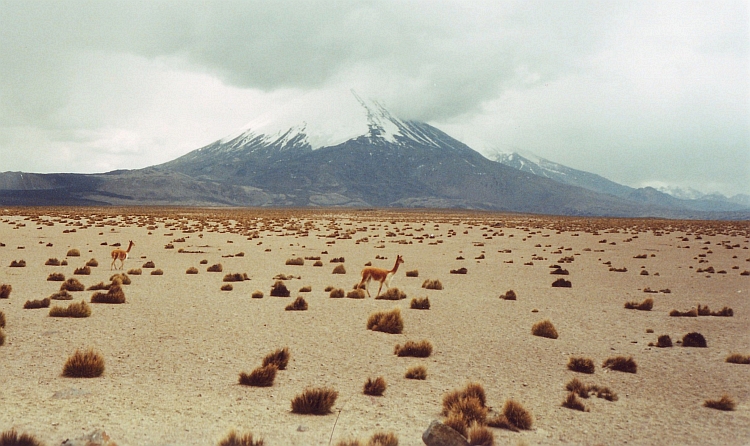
[509,295]
[76,309]
[412,273]
[544,329]
[356,294]
[471,402]
[135,271]
[18,263]
[191,270]
[457,422]
[572,402]
[148,265]
[73,253]
[299,304]
[416,372]
[13,438]
[2,319]
[392,294]
[517,415]
[39,303]
[92,263]
[306,289]
[56,277]
[420,303]
[257,294]
[580,364]
[120,277]
[262,376]
[82,271]
[315,401]
[236,277]
[339,269]
[299,261]
[383,439]
[432,284]
[279,289]
[72,284]
[375,387]
[61,295]
[157,272]
[279,358]
[724,312]
[694,339]
[114,295]
[459,271]
[52,262]
[84,364]
[479,435]
[217,268]
[5,290]
[99,286]
[664,341]
[386,321]
[227,287]
[562,283]
[690,313]
[621,364]
[235,439]
[724,403]
[736,358]
[421,349]
[2,337]
[646,305]
[337,293]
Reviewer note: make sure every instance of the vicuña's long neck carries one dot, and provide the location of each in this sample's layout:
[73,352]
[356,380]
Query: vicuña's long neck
[395,267]
[130,245]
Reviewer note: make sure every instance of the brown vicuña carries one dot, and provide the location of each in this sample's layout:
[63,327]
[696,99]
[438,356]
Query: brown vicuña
[121,255]
[379,274]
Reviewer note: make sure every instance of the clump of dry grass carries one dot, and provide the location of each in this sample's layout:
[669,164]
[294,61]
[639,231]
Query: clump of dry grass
[724,403]
[75,309]
[12,438]
[457,422]
[236,277]
[192,270]
[459,271]
[257,294]
[318,263]
[392,294]
[2,319]
[305,289]
[691,313]
[299,304]
[479,435]
[664,341]
[72,284]
[234,439]
[88,364]
[470,402]
[580,364]
[299,261]
[315,401]
[73,253]
[217,268]
[432,284]
[509,295]
[694,339]
[420,303]
[2,337]
[262,376]
[148,265]
[356,294]
[386,321]
[5,290]
[56,277]
[375,387]
[421,349]
[157,272]
[227,287]
[61,295]
[544,329]
[52,262]
[416,372]
[82,271]
[337,293]
[135,272]
[412,273]
[92,263]
[646,305]
[736,358]
[562,283]
[724,312]
[279,289]
[517,415]
[18,263]
[280,358]
[572,402]
[383,439]
[339,269]
[621,363]
[33,304]
[99,286]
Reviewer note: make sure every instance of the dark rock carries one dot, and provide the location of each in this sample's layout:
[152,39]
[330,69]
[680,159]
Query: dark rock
[438,434]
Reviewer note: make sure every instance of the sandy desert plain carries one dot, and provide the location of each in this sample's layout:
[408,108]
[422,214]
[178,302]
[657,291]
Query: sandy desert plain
[173,352]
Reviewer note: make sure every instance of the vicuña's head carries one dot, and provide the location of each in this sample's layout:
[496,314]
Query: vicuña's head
[399,260]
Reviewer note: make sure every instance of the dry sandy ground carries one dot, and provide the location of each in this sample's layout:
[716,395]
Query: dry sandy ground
[173,352]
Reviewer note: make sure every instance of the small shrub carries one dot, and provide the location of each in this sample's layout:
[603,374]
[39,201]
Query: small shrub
[470,407]
[135,272]
[12,438]
[157,272]
[2,337]
[61,295]
[299,261]
[544,329]
[315,401]
[279,289]
[517,415]
[416,372]
[236,277]
[192,270]
[479,435]
[83,271]
[92,263]
[386,321]
[457,422]
[280,358]
[509,295]
[572,402]
[577,386]
[98,286]
[432,284]
[413,273]
[318,263]
[337,293]
[459,271]
[392,294]
[73,310]
[339,269]
[72,284]
[260,377]
[664,341]
[5,290]
[472,390]
[257,294]
[734,358]
[18,264]
[56,277]
[234,439]
[149,265]
[227,287]
[375,387]
[88,364]
[562,283]
[420,303]
[691,313]
[694,339]
[122,278]
[73,253]
[621,363]
[52,262]
[299,304]
[580,364]
[33,304]
[305,289]
[725,312]
[724,403]
[356,294]
[646,305]
[2,319]
[421,349]
[383,439]
[115,295]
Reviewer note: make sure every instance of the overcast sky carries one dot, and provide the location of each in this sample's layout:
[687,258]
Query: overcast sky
[643,93]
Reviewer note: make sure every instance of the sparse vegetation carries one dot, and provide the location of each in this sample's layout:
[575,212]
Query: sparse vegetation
[421,349]
[257,294]
[392,294]
[734,358]
[572,402]
[299,261]
[544,329]
[262,376]
[5,290]
[157,272]
[459,271]
[466,405]
[82,271]
[299,304]
[416,372]
[73,253]
[305,289]
[192,270]
[509,295]
[479,435]
[217,268]
[33,304]
[386,321]
[412,273]
[148,265]
[135,272]
[56,277]
[18,263]
[432,284]
[724,403]
[92,263]
[691,313]
[337,293]
[517,415]
[2,319]
[279,289]
[562,283]
[664,341]
[315,401]
[227,287]
[646,305]
[420,303]
[75,309]
[375,387]
[52,262]
[694,339]
[280,358]
[12,438]
[621,363]
[2,336]
[61,295]
[580,364]
[339,269]
[235,439]
[356,294]
[236,277]
[72,284]
[88,364]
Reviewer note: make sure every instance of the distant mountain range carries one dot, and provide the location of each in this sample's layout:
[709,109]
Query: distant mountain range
[382,162]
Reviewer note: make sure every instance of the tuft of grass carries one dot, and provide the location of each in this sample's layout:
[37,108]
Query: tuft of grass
[339,269]
[257,294]
[337,293]
[88,364]
[725,312]
[56,277]
[5,290]
[412,273]
[691,313]
[227,287]
[299,304]
[646,305]
[72,284]
[421,349]
[517,415]
[479,435]
[694,339]
[75,309]
[544,329]
[61,295]
[148,265]
[262,376]
[115,294]
[724,403]
[2,319]
[392,294]
[580,364]
[562,283]
[305,289]
[279,289]
[621,363]
[157,272]
[577,386]
[83,271]
[734,358]
[471,409]
[135,271]
[664,341]
[420,303]
[217,268]
[299,261]
[459,271]
[383,439]
[12,438]
[416,372]
[33,304]
[356,294]
[236,277]
[2,337]
[386,321]
[572,402]
[192,270]
[473,391]
[99,286]
[279,358]
[18,263]
[315,401]
[432,284]
[318,263]
[92,263]
[73,253]
[509,295]
[52,262]
[457,422]
[375,387]
[235,439]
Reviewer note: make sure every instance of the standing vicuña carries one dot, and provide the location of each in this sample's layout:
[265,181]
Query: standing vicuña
[379,274]
[121,255]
